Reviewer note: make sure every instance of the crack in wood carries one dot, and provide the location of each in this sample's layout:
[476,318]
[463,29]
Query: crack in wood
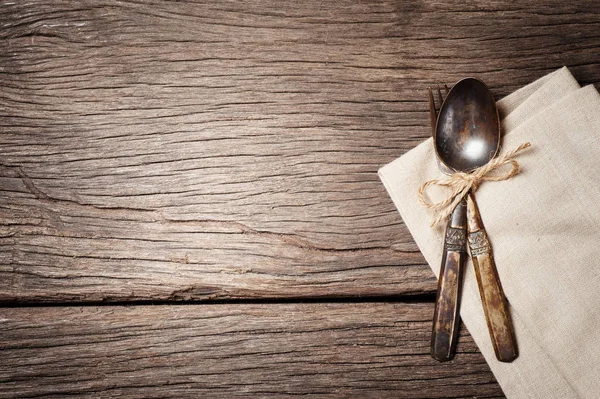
[157,215]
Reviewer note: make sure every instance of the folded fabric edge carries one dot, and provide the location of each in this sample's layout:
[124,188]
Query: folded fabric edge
[559,84]
[513,100]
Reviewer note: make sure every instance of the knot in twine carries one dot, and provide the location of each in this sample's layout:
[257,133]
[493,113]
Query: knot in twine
[460,183]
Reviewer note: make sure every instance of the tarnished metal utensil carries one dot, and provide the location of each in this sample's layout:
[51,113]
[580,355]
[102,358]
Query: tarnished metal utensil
[467,136]
[446,316]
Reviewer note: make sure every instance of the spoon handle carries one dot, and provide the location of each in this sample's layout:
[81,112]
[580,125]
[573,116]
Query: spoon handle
[495,305]
[446,315]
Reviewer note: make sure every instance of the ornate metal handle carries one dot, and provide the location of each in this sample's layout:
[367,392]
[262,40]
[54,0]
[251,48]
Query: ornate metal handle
[494,301]
[446,315]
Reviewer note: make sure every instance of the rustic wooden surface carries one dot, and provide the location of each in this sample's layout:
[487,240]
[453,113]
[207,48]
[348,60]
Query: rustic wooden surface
[166,150]
[368,350]
[227,150]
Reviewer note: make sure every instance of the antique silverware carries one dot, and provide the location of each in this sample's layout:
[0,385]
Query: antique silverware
[446,319]
[467,136]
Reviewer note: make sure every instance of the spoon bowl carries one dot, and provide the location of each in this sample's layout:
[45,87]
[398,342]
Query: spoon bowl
[467,134]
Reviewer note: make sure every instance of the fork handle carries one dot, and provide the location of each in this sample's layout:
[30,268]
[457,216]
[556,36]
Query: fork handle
[495,305]
[446,315]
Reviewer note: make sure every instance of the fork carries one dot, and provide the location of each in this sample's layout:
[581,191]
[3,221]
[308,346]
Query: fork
[446,316]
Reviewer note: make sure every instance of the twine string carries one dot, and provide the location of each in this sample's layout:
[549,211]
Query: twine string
[459,183]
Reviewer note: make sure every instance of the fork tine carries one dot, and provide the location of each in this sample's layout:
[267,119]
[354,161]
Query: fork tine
[432,110]
[441,98]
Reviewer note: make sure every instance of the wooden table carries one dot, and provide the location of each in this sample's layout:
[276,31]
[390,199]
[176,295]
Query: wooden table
[189,198]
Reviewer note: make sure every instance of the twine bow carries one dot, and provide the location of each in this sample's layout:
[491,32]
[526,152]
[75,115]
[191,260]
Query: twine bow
[460,183]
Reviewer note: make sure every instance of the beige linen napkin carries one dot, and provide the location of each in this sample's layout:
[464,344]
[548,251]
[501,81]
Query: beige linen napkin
[544,226]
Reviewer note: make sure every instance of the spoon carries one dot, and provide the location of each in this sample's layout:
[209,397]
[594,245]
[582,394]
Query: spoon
[467,136]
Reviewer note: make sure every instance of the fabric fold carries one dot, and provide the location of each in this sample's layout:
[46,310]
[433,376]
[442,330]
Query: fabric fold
[543,225]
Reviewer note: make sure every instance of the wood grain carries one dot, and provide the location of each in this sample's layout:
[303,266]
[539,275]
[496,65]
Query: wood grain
[365,350]
[156,150]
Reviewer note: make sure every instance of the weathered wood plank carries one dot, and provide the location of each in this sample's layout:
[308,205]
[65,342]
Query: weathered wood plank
[364,350]
[169,150]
